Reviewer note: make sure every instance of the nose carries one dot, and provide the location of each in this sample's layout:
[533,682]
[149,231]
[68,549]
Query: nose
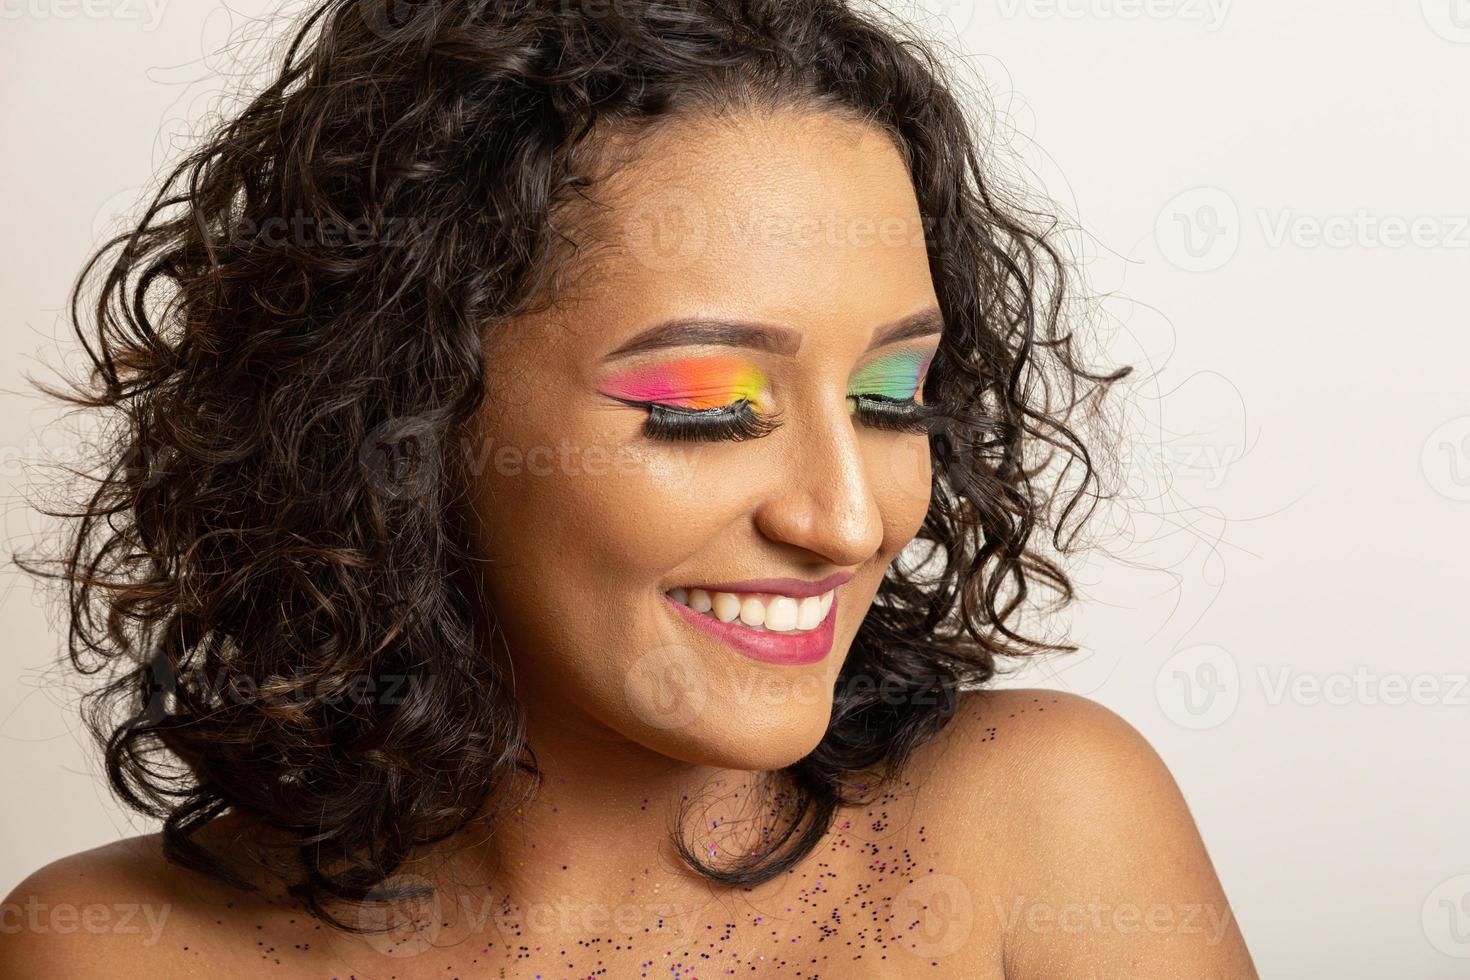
[824,502]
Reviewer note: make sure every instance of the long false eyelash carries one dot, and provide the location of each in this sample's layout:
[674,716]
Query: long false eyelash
[728,423]
[897,414]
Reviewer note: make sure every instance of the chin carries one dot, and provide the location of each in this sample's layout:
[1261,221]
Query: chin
[757,748]
[737,736]
[714,708]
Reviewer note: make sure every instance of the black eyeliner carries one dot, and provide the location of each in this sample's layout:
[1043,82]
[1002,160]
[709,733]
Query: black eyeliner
[896,414]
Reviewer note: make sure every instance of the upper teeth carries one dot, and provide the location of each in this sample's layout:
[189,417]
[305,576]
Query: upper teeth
[766,611]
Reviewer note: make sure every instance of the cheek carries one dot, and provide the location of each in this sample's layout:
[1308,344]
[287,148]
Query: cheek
[902,484]
[580,512]
[575,532]
[581,520]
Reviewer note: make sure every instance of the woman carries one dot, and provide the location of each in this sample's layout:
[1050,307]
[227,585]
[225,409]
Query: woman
[578,466]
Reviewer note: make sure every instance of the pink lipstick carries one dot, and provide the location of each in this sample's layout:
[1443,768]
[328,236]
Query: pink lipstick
[768,646]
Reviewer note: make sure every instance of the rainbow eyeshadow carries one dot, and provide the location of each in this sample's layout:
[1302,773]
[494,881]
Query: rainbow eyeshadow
[697,383]
[897,375]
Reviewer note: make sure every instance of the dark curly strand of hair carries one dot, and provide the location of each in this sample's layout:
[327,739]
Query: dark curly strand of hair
[241,565]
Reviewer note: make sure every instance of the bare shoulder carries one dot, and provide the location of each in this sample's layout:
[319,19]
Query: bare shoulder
[1079,848]
[1042,741]
[119,910]
[100,912]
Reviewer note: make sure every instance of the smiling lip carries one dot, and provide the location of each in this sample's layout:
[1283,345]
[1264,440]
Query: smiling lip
[767,645]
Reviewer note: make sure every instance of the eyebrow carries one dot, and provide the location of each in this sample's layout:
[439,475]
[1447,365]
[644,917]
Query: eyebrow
[922,324]
[768,337]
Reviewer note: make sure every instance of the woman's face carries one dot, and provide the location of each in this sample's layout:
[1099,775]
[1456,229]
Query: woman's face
[758,273]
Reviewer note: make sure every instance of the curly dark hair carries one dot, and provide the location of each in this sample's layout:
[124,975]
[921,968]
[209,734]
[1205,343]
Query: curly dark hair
[323,267]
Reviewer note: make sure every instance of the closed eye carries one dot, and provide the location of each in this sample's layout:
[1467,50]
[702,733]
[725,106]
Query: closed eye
[740,421]
[894,414]
[735,422]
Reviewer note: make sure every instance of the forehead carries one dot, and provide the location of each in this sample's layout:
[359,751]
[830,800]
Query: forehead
[807,219]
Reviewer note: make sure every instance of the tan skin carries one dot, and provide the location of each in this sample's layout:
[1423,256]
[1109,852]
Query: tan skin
[1039,836]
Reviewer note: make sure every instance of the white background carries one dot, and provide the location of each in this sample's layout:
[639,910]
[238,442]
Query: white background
[1275,218]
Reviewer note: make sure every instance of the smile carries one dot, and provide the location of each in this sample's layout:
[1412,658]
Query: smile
[770,626]
[767,612]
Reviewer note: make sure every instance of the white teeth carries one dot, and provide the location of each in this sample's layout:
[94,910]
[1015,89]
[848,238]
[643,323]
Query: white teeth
[781,614]
[727,606]
[812,612]
[777,613]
